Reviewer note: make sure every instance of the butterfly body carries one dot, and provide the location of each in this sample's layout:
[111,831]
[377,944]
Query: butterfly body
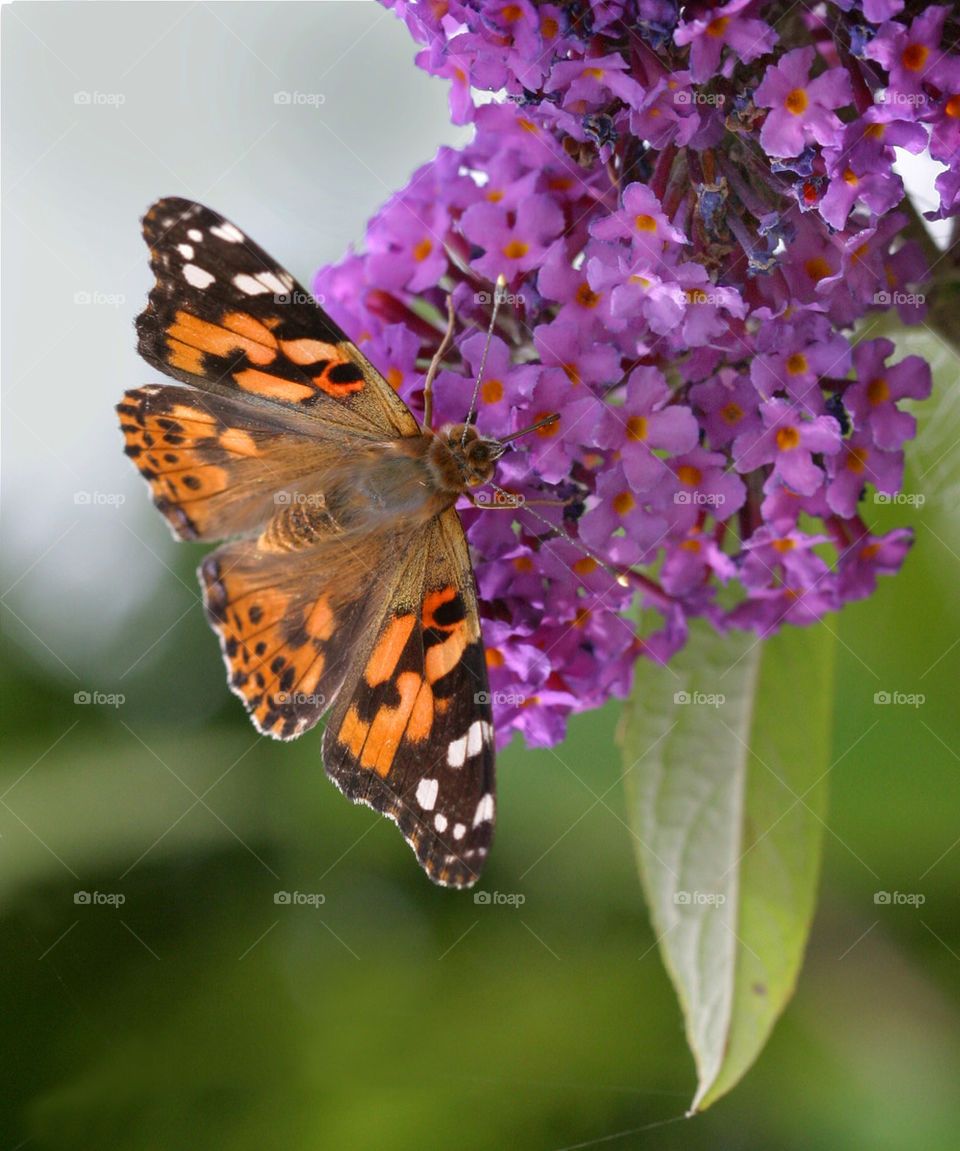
[345,585]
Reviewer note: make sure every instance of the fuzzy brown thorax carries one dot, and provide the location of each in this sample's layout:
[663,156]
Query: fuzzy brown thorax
[460,458]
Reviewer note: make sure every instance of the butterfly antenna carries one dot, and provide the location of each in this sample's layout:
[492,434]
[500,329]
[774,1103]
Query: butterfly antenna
[499,288]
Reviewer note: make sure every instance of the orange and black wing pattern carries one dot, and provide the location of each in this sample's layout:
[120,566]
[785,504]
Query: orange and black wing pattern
[412,731]
[224,316]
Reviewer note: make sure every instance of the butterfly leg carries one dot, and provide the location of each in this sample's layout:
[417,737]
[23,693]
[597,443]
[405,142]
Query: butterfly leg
[435,366]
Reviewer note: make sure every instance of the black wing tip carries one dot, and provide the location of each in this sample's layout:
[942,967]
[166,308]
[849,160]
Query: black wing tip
[446,862]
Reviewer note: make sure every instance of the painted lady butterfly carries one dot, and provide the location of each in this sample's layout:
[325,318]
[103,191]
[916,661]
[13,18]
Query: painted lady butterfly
[347,583]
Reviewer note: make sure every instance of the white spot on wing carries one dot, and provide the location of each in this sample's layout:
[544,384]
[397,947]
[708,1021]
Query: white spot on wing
[440,822]
[427,793]
[459,830]
[185,250]
[227,232]
[249,285]
[484,812]
[475,738]
[197,277]
[457,752]
[195,234]
[273,283]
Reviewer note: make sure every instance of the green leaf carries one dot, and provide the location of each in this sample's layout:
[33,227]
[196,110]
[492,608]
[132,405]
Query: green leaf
[726,754]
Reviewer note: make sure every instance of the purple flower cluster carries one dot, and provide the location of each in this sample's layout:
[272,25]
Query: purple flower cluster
[691,213]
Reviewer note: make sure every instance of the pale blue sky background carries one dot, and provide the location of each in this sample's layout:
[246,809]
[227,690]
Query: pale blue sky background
[181,100]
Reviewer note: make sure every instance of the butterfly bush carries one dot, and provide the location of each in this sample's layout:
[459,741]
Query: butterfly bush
[692,206]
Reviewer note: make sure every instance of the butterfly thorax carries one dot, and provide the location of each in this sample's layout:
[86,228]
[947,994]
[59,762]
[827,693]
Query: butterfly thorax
[459,458]
[394,488]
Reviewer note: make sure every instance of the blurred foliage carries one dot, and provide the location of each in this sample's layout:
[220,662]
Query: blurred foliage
[395,1015]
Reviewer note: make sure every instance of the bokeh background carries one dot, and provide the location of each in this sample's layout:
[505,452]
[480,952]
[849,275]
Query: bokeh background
[200,1012]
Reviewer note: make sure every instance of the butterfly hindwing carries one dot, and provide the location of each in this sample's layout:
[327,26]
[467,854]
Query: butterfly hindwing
[218,466]
[224,316]
[412,732]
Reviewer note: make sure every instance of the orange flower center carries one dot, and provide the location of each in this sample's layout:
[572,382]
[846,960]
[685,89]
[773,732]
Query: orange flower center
[492,392]
[516,249]
[915,56]
[587,298]
[877,391]
[636,428]
[797,101]
[787,438]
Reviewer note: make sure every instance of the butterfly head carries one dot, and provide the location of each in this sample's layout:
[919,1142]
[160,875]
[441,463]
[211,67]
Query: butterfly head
[475,456]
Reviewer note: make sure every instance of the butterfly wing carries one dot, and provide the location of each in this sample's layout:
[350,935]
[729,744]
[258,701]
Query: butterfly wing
[223,316]
[411,734]
[219,466]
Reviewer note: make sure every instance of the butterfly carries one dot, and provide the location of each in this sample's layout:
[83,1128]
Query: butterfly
[346,583]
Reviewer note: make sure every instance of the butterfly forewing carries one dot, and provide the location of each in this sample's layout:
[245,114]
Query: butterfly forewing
[224,315]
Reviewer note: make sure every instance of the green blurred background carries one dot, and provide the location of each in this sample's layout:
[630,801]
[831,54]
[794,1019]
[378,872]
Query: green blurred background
[199,1011]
